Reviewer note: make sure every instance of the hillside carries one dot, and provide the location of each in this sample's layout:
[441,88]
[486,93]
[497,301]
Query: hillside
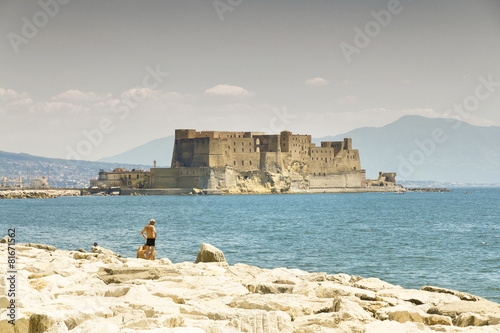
[159,150]
[61,172]
[463,153]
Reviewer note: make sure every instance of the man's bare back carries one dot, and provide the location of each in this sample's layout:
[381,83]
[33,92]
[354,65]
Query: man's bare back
[149,233]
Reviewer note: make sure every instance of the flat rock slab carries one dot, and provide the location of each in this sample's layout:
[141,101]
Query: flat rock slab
[459,294]
[39,246]
[454,309]
[123,274]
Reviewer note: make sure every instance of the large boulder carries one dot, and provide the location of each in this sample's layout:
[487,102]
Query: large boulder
[209,253]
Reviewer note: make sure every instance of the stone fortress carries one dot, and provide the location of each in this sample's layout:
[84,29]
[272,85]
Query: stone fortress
[254,162]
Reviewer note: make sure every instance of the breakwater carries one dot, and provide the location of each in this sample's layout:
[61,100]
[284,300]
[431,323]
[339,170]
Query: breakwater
[38,194]
[62,290]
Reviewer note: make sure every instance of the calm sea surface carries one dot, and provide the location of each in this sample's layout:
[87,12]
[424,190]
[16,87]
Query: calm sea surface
[450,240]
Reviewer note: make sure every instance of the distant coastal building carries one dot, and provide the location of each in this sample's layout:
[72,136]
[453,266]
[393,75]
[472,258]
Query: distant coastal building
[122,178]
[258,162]
[39,182]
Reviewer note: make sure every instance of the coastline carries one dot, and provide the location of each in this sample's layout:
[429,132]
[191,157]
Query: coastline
[62,290]
[59,192]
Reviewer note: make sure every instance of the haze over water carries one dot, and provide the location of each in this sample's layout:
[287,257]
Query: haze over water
[449,240]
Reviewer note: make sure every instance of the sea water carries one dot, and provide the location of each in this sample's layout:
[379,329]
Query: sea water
[447,239]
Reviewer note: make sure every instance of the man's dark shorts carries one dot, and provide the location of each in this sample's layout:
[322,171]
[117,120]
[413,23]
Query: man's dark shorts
[150,242]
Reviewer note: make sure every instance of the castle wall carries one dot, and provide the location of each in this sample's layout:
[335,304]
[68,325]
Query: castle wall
[348,179]
[164,177]
[232,160]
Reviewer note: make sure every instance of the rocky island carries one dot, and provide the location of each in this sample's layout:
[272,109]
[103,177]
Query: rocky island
[76,291]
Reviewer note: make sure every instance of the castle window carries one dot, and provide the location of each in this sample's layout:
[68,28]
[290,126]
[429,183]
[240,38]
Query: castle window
[234,143]
[242,150]
[242,163]
[137,176]
[228,147]
[242,143]
[234,162]
[251,163]
[249,150]
[225,152]
[235,150]
[249,143]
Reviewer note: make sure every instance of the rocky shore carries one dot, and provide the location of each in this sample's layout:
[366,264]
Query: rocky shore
[76,291]
[37,194]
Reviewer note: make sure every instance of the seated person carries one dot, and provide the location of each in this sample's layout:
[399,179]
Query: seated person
[142,252]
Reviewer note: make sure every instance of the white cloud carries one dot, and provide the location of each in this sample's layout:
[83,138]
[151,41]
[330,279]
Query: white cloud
[346,99]
[80,96]
[316,82]
[226,90]
[22,102]
[9,94]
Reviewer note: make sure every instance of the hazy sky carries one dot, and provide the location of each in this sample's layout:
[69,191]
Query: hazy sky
[94,78]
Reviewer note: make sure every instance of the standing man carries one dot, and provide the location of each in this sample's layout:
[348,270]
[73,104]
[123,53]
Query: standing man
[150,239]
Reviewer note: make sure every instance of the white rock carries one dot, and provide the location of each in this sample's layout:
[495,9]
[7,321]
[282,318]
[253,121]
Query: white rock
[374,284]
[294,305]
[332,290]
[209,253]
[351,310]
[417,296]
[389,326]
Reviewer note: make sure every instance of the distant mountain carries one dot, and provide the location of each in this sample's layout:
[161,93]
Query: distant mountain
[60,172]
[420,148]
[159,150]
